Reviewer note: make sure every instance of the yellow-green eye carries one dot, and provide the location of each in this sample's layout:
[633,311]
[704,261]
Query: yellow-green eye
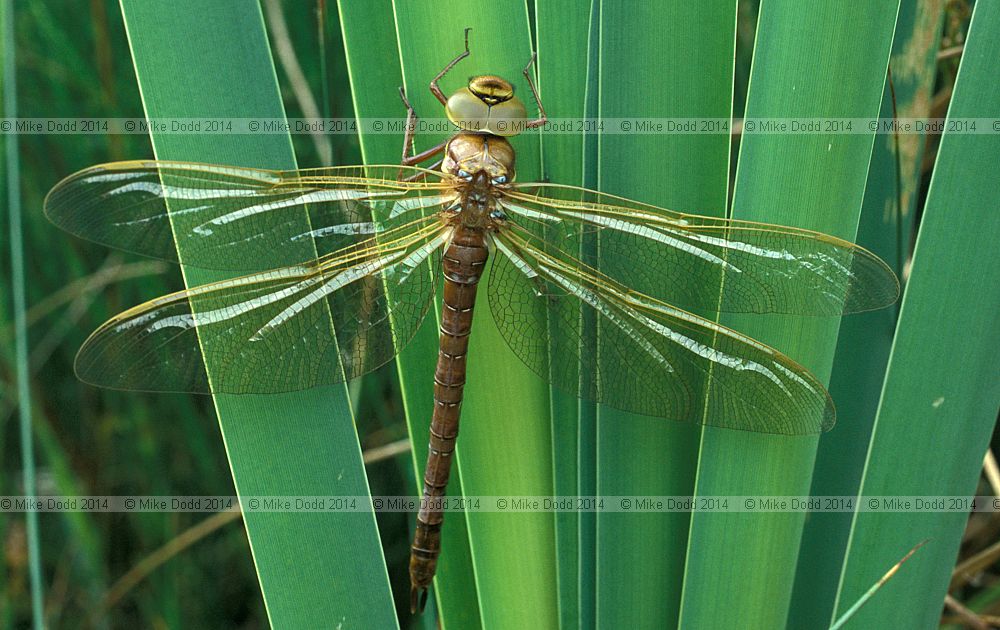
[507,118]
[467,111]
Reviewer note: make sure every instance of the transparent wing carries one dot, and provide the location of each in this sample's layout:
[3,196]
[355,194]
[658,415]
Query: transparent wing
[219,212]
[639,354]
[282,330]
[684,258]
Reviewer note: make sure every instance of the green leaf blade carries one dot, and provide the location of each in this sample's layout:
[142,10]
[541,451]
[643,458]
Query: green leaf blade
[565,54]
[313,568]
[941,390]
[375,86]
[815,181]
[504,447]
[865,339]
[645,73]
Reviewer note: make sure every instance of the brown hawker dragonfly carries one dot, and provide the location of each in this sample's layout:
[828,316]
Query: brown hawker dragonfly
[339,299]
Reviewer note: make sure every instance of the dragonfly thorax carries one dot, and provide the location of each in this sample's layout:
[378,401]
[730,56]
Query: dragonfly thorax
[483,160]
[482,163]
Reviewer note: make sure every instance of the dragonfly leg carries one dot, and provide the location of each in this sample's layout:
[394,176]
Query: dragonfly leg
[419,176]
[408,158]
[424,155]
[420,157]
[542,118]
[411,126]
[435,90]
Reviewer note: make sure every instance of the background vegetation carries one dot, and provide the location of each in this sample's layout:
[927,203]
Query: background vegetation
[73,59]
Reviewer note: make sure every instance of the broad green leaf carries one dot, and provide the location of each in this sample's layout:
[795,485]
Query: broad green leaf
[211,59]
[820,60]
[369,33]
[866,338]
[646,73]
[504,446]
[941,390]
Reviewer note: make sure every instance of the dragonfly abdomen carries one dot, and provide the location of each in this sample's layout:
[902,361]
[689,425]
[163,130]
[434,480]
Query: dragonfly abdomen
[463,264]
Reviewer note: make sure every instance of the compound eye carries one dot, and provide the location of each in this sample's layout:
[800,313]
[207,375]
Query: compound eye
[507,118]
[500,179]
[467,111]
[465,175]
[498,215]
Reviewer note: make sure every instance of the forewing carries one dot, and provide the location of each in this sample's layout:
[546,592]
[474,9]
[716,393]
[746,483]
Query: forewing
[282,330]
[242,219]
[644,356]
[681,258]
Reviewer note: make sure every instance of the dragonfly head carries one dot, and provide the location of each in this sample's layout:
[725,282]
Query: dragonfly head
[487,104]
[482,160]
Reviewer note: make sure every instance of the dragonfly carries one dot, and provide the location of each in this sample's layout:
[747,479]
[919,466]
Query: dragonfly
[597,294]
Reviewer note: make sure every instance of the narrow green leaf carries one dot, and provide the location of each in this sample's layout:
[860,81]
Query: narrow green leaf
[644,72]
[588,410]
[866,338]
[942,389]
[856,606]
[369,34]
[211,59]
[505,443]
[12,176]
[563,35]
[827,61]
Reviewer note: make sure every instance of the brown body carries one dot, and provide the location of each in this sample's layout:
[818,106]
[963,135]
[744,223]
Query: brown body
[481,162]
[463,267]
[484,163]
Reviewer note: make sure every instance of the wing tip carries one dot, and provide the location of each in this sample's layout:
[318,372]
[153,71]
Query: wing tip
[829,419]
[871,266]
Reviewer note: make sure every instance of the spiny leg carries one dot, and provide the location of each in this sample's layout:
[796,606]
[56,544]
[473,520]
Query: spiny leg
[435,90]
[411,126]
[419,176]
[425,155]
[542,119]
